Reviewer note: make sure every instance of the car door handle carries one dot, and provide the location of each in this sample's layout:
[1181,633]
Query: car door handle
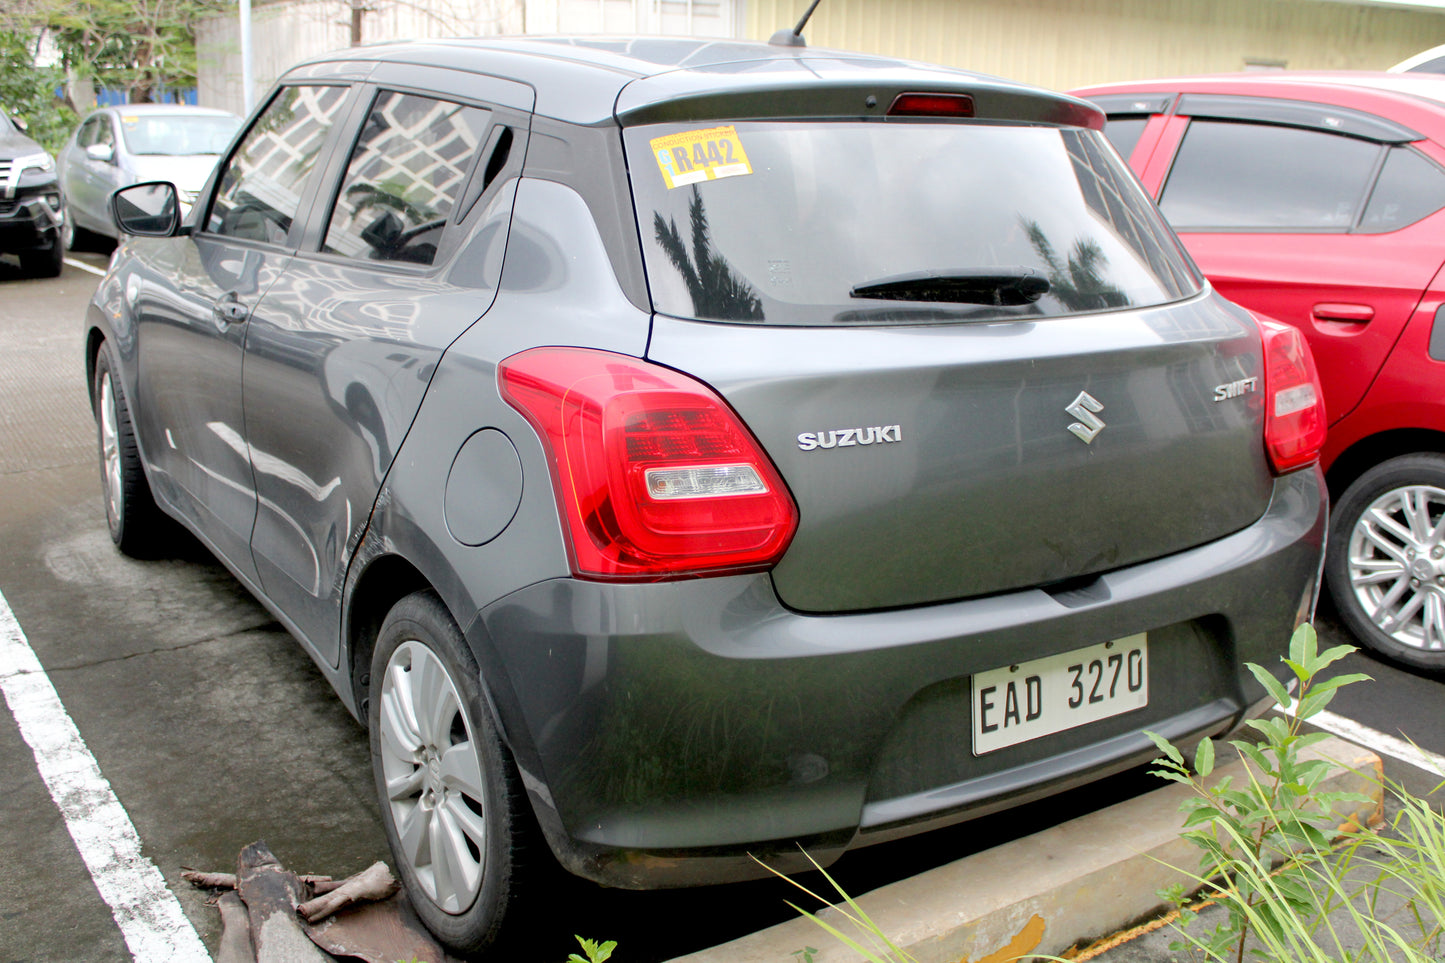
[1331,311]
[228,309]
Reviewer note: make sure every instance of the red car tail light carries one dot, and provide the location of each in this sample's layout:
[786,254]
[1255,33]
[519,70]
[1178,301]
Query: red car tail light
[655,476]
[1294,418]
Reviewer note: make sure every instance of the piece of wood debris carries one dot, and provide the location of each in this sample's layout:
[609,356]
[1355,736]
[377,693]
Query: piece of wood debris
[318,884]
[236,944]
[382,932]
[372,884]
[271,895]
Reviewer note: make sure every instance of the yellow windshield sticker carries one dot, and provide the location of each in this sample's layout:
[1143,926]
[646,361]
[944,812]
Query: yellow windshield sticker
[700,155]
[130,120]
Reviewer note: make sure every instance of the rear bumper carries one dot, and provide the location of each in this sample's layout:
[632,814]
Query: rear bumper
[667,731]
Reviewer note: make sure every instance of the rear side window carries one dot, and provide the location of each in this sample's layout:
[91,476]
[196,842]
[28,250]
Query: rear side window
[405,173]
[1410,187]
[261,187]
[1124,133]
[1230,176]
[900,223]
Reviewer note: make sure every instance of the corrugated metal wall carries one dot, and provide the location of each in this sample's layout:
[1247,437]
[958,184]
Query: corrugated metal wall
[1068,43]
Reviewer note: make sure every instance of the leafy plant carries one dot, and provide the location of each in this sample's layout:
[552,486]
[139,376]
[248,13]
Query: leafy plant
[1267,855]
[596,952]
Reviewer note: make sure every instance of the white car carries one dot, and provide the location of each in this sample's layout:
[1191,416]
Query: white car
[129,143]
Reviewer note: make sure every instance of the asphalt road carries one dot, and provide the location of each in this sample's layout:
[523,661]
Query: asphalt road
[214,730]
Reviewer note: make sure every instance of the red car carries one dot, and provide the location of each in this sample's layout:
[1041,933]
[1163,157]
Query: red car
[1319,199]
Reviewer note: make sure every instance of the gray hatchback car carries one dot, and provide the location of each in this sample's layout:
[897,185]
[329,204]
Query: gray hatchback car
[682,452]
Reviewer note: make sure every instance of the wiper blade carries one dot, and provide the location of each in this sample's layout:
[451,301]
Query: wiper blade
[1001,287]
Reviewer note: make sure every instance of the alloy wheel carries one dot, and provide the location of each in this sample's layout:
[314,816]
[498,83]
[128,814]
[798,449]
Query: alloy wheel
[1396,565]
[110,465]
[434,783]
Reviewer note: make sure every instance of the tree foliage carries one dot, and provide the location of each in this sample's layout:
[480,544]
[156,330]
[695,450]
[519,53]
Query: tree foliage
[31,93]
[139,46]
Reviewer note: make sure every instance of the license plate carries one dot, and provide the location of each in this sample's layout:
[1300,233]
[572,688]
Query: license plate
[1016,703]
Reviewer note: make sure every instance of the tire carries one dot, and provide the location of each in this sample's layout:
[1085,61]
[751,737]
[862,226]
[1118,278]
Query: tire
[46,263]
[451,802]
[137,526]
[1386,561]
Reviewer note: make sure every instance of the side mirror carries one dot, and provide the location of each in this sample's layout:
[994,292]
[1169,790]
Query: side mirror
[147,210]
[100,152]
[20,122]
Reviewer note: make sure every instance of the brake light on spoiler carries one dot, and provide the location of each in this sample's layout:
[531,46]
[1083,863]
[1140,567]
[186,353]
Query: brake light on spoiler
[1294,419]
[656,477]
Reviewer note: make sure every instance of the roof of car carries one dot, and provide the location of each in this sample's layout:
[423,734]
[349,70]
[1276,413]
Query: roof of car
[1415,99]
[583,79]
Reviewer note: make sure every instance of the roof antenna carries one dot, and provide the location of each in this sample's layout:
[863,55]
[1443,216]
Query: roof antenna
[794,37]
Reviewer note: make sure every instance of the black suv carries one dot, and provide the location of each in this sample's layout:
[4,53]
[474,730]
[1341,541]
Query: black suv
[30,207]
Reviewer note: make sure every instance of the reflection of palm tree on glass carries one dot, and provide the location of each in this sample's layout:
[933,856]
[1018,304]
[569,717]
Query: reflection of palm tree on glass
[1080,284]
[717,291]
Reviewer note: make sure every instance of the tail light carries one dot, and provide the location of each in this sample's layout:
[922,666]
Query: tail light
[655,476]
[1294,418]
[931,105]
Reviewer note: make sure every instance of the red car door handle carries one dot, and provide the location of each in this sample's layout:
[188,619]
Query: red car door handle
[1357,313]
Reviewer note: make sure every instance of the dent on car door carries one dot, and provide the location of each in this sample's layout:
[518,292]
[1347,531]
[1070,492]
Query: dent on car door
[342,348]
[1329,232]
[192,321]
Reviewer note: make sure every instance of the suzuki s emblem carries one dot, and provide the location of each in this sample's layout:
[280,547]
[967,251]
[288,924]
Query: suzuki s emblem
[1086,408]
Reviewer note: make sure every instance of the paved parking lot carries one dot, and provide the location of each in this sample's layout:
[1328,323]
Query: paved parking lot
[213,730]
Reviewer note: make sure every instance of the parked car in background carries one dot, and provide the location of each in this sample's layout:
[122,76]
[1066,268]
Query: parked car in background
[130,143]
[1319,200]
[663,459]
[31,210]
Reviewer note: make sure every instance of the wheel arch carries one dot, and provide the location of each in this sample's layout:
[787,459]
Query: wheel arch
[385,581]
[94,338]
[1368,452]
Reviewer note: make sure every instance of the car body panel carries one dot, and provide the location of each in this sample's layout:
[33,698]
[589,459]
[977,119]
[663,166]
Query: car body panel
[982,435]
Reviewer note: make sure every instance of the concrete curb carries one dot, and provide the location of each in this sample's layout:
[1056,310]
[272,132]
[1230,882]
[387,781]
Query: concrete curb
[1068,885]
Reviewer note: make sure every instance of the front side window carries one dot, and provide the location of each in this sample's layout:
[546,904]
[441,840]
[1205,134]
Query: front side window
[261,187]
[814,223]
[406,171]
[1243,176]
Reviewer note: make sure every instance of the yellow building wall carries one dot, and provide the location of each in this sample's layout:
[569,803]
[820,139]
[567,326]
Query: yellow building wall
[1069,43]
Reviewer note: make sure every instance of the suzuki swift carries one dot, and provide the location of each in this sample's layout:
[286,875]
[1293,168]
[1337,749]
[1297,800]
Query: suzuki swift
[681,452]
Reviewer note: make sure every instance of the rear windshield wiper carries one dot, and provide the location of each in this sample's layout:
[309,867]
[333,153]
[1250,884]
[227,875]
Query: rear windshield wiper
[996,286]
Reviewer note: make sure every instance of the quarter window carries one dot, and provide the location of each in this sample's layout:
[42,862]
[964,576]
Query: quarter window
[1124,133]
[1231,176]
[265,178]
[405,174]
[1410,188]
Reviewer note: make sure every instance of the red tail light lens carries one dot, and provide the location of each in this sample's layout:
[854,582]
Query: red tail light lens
[1294,418]
[656,477]
[931,105]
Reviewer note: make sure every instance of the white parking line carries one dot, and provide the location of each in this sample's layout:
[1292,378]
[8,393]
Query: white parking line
[148,914]
[1383,743]
[84,267]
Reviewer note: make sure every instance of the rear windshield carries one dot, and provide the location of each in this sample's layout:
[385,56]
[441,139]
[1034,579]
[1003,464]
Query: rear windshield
[908,223]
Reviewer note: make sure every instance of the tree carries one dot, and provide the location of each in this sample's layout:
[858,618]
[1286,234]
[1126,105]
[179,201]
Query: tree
[30,92]
[136,45]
